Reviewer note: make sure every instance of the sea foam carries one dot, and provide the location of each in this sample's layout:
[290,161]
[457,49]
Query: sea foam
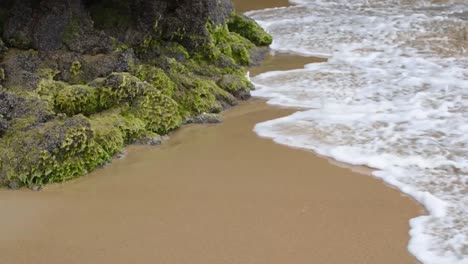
[393,96]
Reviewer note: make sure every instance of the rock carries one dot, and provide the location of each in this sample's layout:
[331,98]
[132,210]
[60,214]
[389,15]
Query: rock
[51,25]
[23,68]
[249,29]
[151,139]
[3,125]
[157,140]
[81,79]
[121,155]
[205,118]
[36,187]
[3,48]
[14,185]
[15,106]
[89,26]
[105,64]
[237,85]
[2,74]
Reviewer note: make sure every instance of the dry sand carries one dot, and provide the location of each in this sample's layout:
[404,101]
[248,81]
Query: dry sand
[211,194]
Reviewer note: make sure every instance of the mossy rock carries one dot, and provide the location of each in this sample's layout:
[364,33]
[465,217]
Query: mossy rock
[151,103]
[23,110]
[113,130]
[4,126]
[3,48]
[76,74]
[61,122]
[201,98]
[231,44]
[157,78]
[75,99]
[57,151]
[249,29]
[48,88]
[238,85]
[118,88]
[160,112]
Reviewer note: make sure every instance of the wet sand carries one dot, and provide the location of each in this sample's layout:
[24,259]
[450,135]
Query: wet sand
[283,62]
[246,5]
[211,194]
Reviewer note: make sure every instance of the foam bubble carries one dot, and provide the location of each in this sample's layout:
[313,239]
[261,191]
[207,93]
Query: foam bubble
[393,96]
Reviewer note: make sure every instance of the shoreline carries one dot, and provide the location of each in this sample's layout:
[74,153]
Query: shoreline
[212,194]
[283,57]
[244,6]
[215,193]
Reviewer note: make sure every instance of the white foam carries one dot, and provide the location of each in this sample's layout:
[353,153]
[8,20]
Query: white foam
[393,96]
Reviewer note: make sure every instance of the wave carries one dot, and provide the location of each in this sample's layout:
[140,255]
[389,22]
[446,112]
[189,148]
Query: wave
[393,96]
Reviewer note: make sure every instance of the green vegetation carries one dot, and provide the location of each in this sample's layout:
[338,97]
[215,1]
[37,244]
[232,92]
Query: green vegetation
[82,126]
[72,30]
[249,29]
[76,99]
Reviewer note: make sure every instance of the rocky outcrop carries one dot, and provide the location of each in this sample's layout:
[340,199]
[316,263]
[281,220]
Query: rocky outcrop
[80,79]
[205,118]
[89,26]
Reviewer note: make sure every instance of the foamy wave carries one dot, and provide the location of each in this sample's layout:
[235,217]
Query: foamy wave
[393,96]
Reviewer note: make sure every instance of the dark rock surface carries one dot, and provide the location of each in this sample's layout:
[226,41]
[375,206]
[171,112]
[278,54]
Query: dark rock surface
[205,118]
[80,79]
[48,25]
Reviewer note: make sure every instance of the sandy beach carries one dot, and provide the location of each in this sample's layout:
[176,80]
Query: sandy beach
[212,194]
[243,5]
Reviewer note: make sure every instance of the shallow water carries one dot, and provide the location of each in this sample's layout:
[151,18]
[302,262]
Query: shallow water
[393,96]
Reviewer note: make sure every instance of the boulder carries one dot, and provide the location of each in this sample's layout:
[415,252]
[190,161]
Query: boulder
[205,118]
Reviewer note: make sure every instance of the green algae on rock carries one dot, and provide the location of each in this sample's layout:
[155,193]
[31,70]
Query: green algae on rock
[75,88]
[249,29]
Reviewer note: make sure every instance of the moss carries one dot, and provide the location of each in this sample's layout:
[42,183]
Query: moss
[112,130]
[165,85]
[75,68]
[151,103]
[249,29]
[238,85]
[23,110]
[118,88]
[19,40]
[181,75]
[159,111]
[47,88]
[2,74]
[75,99]
[57,151]
[200,97]
[72,30]
[153,48]
[171,49]
[230,44]
[157,78]
[22,123]
[66,148]
[3,47]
